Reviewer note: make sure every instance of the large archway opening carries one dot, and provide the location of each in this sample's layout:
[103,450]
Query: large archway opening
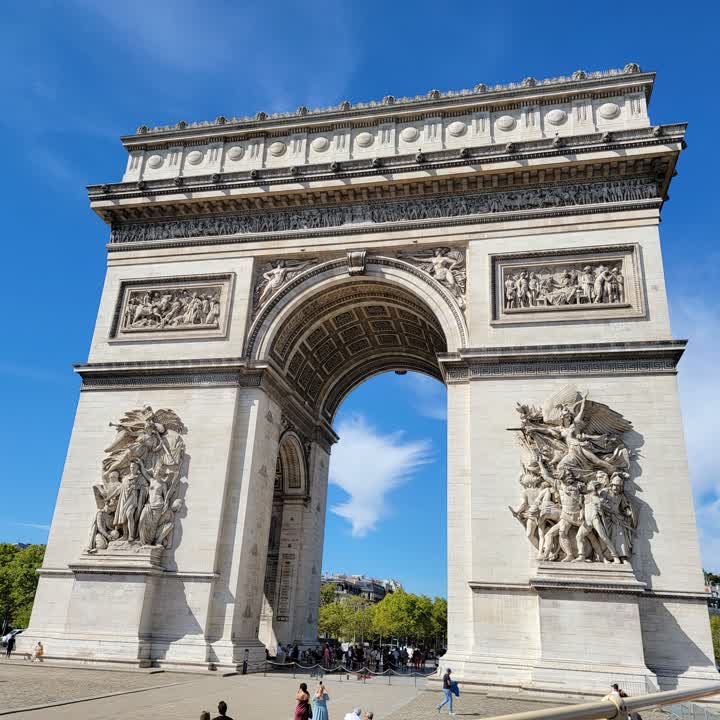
[327,336]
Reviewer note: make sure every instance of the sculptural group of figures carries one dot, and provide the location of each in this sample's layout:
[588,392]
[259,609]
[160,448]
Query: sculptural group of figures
[176,308]
[548,287]
[138,497]
[446,265]
[424,208]
[574,503]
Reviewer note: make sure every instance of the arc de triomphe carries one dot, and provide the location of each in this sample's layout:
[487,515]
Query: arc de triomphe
[503,240]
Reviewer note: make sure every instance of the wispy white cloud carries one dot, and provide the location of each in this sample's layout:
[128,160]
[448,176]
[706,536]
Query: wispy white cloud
[429,396]
[700,395]
[368,465]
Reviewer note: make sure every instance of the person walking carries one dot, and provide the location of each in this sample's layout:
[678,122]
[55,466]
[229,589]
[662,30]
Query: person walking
[320,711]
[222,709]
[10,647]
[447,691]
[302,709]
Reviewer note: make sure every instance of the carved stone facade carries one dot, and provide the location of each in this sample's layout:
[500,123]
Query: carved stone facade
[597,283]
[427,208]
[142,480]
[575,474]
[259,272]
[196,306]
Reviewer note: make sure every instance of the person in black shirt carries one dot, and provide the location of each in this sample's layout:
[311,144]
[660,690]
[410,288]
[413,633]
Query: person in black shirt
[447,691]
[222,709]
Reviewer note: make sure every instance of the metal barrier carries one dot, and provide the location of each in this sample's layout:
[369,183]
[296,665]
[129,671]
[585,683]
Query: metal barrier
[608,710]
[691,711]
[342,672]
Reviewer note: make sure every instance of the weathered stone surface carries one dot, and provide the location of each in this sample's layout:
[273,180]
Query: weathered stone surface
[516,253]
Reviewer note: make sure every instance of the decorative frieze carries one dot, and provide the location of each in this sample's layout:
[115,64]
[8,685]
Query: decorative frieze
[382,212]
[564,285]
[195,306]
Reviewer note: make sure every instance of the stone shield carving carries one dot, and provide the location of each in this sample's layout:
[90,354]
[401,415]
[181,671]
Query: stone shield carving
[575,466]
[139,495]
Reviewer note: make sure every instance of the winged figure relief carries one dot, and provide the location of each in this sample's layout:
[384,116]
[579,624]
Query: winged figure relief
[139,495]
[575,466]
[274,275]
[142,436]
[446,265]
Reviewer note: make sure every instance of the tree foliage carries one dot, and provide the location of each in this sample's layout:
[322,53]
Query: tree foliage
[327,593]
[715,629]
[18,582]
[398,615]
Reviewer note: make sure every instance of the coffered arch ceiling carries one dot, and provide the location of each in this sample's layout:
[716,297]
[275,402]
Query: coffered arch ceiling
[349,332]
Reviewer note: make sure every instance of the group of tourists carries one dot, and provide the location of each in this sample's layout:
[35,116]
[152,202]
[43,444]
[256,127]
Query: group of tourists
[315,707]
[354,657]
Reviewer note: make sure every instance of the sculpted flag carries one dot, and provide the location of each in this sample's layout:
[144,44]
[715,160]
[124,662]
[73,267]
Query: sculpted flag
[138,497]
[575,467]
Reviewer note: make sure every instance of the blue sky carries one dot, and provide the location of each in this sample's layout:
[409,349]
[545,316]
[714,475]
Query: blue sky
[78,74]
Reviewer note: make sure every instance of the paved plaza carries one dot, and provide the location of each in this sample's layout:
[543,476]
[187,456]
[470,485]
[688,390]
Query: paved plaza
[61,692]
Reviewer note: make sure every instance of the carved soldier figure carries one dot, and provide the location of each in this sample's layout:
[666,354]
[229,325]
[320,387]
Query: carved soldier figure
[530,482]
[586,280]
[106,497]
[132,498]
[620,518]
[594,503]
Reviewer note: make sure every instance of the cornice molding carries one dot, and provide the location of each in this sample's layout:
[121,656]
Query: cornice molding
[207,373]
[470,156]
[434,102]
[658,357]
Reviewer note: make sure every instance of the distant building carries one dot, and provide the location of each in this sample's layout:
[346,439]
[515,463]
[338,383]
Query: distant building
[370,589]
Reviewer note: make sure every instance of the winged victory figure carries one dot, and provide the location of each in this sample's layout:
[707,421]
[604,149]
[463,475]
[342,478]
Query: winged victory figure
[447,266]
[274,275]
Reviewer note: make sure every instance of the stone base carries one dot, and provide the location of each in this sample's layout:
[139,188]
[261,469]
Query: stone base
[121,556]
[592,577]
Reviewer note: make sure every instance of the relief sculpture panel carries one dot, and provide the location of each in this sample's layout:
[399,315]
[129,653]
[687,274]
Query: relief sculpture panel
[576,473]
[162,309]
[596,284]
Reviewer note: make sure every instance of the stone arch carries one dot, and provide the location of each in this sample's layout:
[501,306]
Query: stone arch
[327,331]
[291,472]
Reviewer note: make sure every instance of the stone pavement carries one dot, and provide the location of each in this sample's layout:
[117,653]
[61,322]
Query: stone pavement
[250,697]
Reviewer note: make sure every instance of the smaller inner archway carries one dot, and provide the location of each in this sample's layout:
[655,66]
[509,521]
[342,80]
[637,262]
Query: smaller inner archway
[289,495]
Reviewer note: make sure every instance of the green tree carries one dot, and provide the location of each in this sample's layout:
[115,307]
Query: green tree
[715,630]
[439,619]
[333,620]
[18,582]
[7,603]
[394,614]
[422,618]
[327,593]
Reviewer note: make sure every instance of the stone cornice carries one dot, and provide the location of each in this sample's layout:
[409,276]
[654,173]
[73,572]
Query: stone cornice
[206,372]
[628,358]
[529,90]
[106,198]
